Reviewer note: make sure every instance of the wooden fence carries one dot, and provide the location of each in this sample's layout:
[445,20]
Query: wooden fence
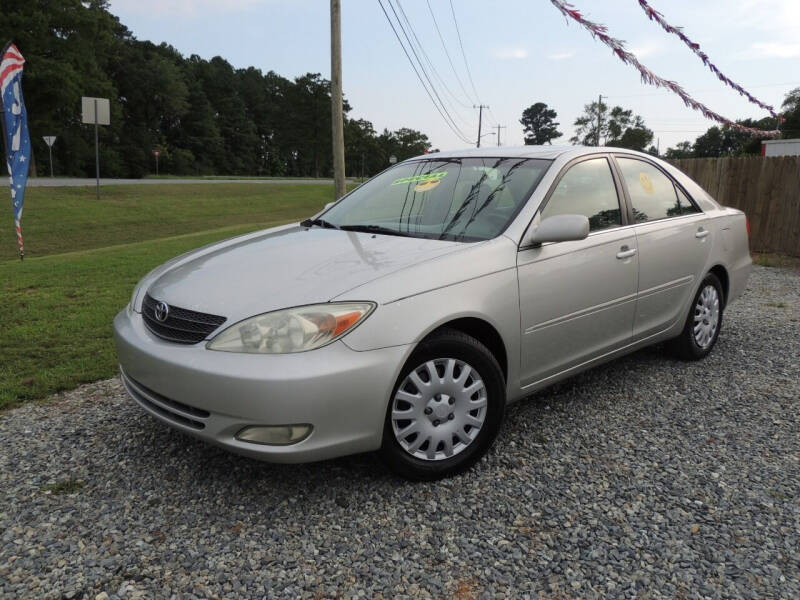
[766,189]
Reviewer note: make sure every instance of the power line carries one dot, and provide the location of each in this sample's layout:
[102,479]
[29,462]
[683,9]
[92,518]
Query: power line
[432,66]
[463,54]
[465,138]
[452,126]
[449,59]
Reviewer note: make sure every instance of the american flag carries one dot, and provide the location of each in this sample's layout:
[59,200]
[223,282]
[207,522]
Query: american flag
[15,131]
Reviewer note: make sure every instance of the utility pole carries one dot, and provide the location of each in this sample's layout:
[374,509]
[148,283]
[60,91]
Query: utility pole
[599,112]
[336,99]
[499,127]
[480,108]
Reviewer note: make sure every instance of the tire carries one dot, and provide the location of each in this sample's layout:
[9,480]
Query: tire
[464,406]
[706,311]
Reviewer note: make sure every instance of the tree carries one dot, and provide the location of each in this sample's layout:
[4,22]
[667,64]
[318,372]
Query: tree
[681,150]
[362,154]
[403,143]
[711,143]
[790,128]
[626,130]
[204,116]
[586,132]
[618,127]
[539,124]
[728,141]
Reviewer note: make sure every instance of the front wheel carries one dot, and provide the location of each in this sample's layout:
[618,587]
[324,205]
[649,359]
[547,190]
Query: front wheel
[703,322]
[446,408]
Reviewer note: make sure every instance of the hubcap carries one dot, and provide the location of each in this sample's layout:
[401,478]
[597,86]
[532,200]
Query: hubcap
[439,409]
[706,316]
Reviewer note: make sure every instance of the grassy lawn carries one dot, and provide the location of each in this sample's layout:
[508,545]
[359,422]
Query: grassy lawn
[84,258]
[66,219]
[237,177]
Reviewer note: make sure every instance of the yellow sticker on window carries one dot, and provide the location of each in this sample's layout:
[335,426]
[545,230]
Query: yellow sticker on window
[646,183]
[438,176]
[427,185]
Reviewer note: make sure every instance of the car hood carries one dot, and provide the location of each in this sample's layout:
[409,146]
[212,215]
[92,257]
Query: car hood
[286,267]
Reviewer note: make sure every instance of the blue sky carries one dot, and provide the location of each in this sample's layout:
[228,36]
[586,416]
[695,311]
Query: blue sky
[519,52]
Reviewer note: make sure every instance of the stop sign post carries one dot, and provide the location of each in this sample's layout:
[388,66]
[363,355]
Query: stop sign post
[50,140]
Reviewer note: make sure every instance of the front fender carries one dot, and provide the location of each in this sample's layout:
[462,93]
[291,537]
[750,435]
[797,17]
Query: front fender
[493,298]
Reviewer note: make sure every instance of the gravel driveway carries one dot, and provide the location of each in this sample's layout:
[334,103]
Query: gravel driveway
[643,478]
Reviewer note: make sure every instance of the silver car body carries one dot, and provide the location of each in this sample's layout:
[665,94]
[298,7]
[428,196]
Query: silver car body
[548,312]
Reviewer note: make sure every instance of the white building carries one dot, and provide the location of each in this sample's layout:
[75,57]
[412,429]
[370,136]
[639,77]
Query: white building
[780,147]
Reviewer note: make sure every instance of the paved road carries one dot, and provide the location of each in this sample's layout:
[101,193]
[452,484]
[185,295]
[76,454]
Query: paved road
[80,182]
[644,478]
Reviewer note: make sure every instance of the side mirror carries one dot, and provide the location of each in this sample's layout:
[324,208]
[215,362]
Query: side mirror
[559,228]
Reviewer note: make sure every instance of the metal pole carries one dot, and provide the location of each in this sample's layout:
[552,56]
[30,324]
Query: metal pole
[336,99]
[50,150]
[96,150]
[156,165]
[599,110]
[480,108]
[499,127]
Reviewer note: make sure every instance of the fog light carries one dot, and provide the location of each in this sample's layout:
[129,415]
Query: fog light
[274,435]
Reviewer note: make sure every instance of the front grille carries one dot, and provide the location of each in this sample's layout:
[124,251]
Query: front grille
[182,326]
[171,410]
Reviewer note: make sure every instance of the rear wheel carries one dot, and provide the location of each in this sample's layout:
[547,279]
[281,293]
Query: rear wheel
[703,322]
[446,408]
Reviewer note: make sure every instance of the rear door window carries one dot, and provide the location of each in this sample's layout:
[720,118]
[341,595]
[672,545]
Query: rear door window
[653,195]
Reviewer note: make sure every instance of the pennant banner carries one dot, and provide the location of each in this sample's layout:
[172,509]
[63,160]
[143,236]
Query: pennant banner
[15,132]
[656,16]
[618,48]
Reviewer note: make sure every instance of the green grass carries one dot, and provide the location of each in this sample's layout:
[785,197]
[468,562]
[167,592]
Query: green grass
[236,177]
[776,261]
[56,314]
[70,218]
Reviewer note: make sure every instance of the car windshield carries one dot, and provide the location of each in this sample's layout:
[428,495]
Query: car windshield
[462,199]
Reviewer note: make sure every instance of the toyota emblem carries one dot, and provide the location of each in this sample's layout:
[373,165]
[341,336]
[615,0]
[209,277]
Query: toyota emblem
[161,311]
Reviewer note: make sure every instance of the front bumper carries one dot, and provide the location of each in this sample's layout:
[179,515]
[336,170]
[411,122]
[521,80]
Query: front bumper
[213,395]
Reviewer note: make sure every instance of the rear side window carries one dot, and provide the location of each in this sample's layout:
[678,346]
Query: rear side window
[588,189]
[653,195]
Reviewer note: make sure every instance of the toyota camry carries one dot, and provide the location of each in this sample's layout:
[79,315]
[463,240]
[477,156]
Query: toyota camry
[404,317]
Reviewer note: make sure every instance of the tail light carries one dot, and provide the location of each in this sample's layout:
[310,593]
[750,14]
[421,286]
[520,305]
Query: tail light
[747,226]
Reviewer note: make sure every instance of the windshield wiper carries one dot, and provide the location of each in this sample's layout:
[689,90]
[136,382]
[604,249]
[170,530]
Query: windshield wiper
[375,229]
[319,223]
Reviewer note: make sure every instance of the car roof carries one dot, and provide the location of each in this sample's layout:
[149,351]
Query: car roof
[545,152]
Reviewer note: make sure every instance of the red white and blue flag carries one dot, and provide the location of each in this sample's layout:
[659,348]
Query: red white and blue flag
[15,131]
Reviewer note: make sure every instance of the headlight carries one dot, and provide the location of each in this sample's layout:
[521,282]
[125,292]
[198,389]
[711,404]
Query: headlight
[292,330]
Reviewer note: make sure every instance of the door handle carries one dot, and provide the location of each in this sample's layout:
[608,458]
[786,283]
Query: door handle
[701,233]
[626,252]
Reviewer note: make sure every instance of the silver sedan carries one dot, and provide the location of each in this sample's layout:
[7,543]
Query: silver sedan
[407,315]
